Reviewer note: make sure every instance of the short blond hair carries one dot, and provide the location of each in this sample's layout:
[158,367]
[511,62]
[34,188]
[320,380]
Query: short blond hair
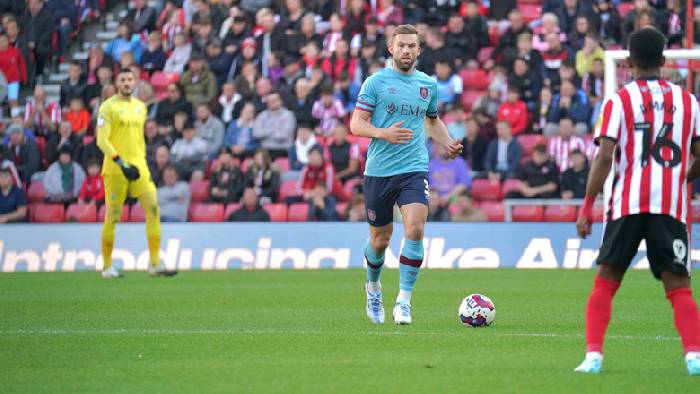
[405,29]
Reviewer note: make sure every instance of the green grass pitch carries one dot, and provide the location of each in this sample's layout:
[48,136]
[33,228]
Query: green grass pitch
[306,332]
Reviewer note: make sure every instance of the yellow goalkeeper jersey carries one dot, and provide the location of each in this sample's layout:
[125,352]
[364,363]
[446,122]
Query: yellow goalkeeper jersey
[120,125]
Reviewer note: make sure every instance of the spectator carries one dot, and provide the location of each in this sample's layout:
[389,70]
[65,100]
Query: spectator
[10,166]
[246,82]
[343,155]
[328,110]
[238,32]
[356,210]
[179,56]
[514,111]
[93,188]
[205,11]
[147,96]
[609,28]
[230,103]
[199,83]
[542,109]
[239,134]
[474,146]
[490,102]
[73,86]
[503,154]
[173,103]
[219,61]
[499,10]
[467,211]
[94,91]
[508,41]
[460,40]
[250,211]
[179,122]
[316,184]
[64,137]
[527,81]
[303,100]
[593,86]
[571,12]
[477,25]
[456,123]
[339,61]
[142,17]
[41,115]
[539,176]
[13,201]
[437,210]
[571,103]
[247,54]
[487,125]
[227,181]
[449,85]
[153,140]
[334,34]
[559,146]
[97,60]
[189,152]
[347,90]
[211,129]
[171,22]
[577,37]
[154,58]
[298,153]
[549,26]
[13,67]
[389,13]
[173,197]
[158,165]
[271,39]
[448,177]
[291,72]
[37,24]
[630,22]
[262,177]
[553,58]
[122,43]
[274,67]
[590,52]
[434,49]
[573,180]
[370,37]
[64,178]
[274,127]
[78,116]
[23,153]
[532,57]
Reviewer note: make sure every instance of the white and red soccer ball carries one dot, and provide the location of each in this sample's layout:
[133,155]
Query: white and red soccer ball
[477,310]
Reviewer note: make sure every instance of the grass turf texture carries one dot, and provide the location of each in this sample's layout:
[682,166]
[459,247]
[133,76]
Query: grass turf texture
[306,331]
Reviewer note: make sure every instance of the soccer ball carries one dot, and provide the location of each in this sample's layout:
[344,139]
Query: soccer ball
[477,310]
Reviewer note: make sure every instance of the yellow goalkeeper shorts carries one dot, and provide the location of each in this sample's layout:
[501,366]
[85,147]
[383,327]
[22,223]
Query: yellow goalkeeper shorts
[117,186]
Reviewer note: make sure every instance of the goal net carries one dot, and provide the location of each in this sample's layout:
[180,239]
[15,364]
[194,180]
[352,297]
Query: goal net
[682,68]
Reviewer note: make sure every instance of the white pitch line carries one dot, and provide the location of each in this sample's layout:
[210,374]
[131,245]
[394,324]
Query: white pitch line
[174,331]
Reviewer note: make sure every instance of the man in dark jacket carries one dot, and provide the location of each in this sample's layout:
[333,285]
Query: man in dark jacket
[74,85]
[503,154]
[251,211]
[142,17]
[37,26]
[219,61]
[539,176]
[509,40]
[175,102]
[23,152]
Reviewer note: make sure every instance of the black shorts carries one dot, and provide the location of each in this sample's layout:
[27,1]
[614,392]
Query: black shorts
[666,239]
[381,193]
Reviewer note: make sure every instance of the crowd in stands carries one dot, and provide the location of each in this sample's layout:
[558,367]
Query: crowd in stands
[249,101]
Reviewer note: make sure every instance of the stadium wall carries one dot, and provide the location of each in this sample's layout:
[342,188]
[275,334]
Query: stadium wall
[223,246]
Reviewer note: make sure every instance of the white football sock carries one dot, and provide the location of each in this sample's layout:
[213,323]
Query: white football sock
[404,296]
[374,287]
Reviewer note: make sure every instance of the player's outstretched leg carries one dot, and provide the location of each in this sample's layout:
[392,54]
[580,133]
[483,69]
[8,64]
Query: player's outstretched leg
[598,313]
[112,215]
[686,318]
[373,287]
[149,203]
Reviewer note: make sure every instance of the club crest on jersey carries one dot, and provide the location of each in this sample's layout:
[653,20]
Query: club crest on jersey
[424,92]
[371,215]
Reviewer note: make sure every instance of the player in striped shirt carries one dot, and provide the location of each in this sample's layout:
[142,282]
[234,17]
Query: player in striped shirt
[649,128]
[398,108]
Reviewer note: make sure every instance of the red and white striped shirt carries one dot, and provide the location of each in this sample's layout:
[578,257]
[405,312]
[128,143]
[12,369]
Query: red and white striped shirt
[559,149]
[53,110]
[654,123]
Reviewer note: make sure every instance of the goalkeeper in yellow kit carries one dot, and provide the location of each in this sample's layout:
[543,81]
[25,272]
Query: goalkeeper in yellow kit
[120,137]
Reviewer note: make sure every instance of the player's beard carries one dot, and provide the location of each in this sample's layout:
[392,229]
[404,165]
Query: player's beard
[403,66]
[125,92]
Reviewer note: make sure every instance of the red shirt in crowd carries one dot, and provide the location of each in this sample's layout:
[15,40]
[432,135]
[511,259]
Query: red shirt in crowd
[12,65]
[79,121]
[93,189]
[515,114]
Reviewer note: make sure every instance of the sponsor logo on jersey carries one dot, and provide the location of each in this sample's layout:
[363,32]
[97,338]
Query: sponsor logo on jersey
[391,108]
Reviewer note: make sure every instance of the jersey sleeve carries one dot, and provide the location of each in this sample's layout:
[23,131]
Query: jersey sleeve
[367,99]
[609,122]
[104,120]
[432,112]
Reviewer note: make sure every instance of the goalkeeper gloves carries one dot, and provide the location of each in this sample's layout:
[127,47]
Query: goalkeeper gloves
[130,172]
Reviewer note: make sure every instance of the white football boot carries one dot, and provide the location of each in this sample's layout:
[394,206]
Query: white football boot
[111,273]
[402,313]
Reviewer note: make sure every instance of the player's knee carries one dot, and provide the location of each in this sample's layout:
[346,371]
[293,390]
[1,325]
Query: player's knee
[414,231]
[113,214]
[610,272]
[673,281]
[380,242]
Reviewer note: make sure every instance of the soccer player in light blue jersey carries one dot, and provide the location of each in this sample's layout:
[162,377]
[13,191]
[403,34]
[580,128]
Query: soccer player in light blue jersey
[397,108]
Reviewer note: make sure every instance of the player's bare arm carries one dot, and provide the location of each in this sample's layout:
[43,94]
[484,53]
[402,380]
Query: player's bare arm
[596,179]
[361,126]
[438,132]
[694,170]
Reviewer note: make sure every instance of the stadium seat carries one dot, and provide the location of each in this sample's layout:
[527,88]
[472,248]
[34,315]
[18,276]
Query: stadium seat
[475,79]
[199,190]
[494,37]
[246,163]
[277,212]
[36,192]
[82,213]
[529,141]
[493,210]
[206,212]
[288,189]
[349,186]
[530,12]
[231,208]
[340,209]
[48,213]
[469,97]
[282,164]
[454,209]
[298,212]
[136,214]
[103,209]
[560,213]
[624,8]
[510,185]
[484,189]
[528,213]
